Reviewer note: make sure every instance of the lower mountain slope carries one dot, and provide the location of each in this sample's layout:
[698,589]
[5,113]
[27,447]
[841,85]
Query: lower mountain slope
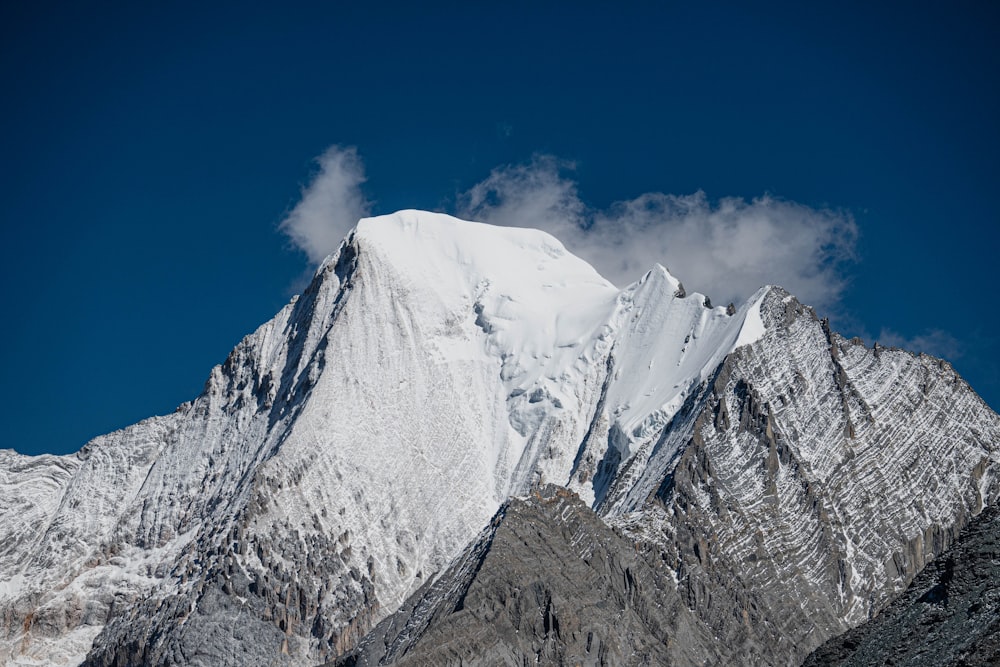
[547,582]
[948,617]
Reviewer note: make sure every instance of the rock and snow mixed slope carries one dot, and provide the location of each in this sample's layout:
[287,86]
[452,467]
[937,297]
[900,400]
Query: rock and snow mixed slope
[351,448]
[793,495]
[949,616]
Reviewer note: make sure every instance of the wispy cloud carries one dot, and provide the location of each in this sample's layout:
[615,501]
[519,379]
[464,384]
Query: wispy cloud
[529,195]
[725,249]
[330,206]
[936,342]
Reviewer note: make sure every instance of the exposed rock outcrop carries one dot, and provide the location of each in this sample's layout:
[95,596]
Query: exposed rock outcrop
[948,617]
[547,583]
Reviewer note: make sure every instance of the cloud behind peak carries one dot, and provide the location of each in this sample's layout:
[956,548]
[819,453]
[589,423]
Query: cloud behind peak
[725,249]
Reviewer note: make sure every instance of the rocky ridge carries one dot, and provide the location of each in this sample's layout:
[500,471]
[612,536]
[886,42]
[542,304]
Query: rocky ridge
[547,582]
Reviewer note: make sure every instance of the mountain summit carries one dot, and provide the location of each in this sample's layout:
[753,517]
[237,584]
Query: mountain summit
[358,454]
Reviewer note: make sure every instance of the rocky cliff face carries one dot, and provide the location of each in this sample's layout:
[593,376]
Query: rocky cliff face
[949,615]
[348,452]
[816,479]
[547,582]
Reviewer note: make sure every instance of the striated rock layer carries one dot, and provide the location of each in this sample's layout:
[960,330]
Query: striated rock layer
[949,616]
[816,478]
[350,450]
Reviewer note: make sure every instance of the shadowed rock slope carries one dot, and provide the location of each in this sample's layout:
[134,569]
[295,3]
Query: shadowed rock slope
[949,616]
[548,582]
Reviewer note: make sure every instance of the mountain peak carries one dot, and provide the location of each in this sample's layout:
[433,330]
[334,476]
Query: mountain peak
[352,447]
[427,245]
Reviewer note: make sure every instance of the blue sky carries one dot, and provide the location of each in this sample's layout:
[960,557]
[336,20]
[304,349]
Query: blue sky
[152,151]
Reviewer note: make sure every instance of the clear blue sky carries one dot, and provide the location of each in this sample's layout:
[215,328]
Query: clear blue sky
[150,150]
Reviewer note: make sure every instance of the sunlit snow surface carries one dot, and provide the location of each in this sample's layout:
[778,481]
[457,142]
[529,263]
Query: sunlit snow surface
[432,369]
[451,365]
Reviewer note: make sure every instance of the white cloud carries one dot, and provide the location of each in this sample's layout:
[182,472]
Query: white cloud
[531,195]
[725,249]
[936,342]
[330,206]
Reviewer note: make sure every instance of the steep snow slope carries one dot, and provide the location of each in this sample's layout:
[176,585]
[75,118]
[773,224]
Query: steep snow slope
[667,344]
[378,399]
[433,368]
[349,449]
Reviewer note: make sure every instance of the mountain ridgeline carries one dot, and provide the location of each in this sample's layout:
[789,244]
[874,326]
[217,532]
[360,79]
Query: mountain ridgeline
[461,445]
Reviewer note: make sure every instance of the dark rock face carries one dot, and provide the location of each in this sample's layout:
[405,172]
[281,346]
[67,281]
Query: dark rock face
[949,615]
[547,583]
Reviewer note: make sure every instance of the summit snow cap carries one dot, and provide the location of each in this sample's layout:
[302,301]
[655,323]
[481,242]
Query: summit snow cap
[549,317]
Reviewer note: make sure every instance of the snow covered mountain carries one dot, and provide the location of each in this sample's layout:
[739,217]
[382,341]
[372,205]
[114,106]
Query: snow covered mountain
[349,450]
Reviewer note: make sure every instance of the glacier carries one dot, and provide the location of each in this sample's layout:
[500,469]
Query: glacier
[349,450]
